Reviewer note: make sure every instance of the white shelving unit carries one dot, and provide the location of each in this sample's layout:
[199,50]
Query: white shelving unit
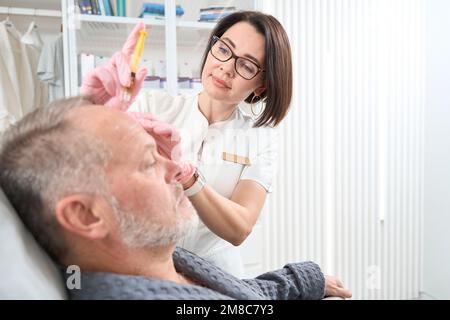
[196,25]
[119,20]
[30,12]
[169,38]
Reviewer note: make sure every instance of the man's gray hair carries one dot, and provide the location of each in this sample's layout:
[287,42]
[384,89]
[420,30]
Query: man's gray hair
[43,158]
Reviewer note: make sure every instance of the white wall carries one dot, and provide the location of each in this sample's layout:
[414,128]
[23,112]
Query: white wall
[349,189]
[437,153]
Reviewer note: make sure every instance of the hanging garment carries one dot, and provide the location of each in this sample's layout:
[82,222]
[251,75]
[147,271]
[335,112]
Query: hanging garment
[33,46]
[32,37]
[16,71]
[9,102]
[51,68]
[21,90]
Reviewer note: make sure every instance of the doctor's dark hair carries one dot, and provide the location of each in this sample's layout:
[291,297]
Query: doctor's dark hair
[278,63]
[44,158]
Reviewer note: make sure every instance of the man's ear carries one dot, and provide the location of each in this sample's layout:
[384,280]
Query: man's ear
[80,214]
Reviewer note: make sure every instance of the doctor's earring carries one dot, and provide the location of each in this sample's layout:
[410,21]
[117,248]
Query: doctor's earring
[252,102]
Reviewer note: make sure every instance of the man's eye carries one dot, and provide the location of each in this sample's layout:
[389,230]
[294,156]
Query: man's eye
[149,165]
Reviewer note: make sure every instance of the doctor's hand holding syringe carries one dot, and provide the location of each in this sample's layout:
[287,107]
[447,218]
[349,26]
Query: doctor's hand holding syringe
[117,84]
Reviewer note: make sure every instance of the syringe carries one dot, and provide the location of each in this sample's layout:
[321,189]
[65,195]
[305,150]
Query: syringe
[134,65]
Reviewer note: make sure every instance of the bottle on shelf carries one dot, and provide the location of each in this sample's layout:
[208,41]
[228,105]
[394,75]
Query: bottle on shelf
[184,75]
[160,71]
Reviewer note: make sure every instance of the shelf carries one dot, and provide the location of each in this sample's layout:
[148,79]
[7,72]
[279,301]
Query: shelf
[189,91]
[196,25]
[118,20]
[147,21]
[104,35]
[193,34]
[30,12]
[180,91]
[31,4]
[173,42]
[102,28]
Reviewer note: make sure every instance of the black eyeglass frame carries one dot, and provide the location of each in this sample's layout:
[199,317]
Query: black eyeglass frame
[215,39]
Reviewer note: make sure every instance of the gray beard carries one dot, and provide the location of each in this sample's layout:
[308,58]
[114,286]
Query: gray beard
[138,232]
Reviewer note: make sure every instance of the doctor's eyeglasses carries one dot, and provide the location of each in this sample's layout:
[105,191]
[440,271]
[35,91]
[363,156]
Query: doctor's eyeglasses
[244,67]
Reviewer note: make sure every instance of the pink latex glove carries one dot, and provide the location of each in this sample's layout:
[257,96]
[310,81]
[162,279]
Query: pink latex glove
[168,141]
[187,171]
[166,136]
[106,85]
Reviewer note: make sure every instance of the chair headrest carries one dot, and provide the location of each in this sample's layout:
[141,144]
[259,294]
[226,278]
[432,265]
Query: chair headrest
[26,271]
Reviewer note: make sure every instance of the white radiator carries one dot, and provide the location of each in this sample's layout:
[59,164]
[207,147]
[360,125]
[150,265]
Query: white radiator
[350,183]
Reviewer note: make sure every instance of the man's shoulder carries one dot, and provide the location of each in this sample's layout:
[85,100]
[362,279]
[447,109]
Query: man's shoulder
[112,286]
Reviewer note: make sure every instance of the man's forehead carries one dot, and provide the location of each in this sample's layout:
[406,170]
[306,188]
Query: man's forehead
[94,115]
[113,126]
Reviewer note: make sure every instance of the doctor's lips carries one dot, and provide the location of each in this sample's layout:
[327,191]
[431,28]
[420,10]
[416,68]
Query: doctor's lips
[220,83]
[136,57]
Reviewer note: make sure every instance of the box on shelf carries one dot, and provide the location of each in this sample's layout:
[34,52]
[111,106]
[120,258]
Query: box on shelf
[101,61]
[152,82]
[160,69]
[163,83]
[213,14]
[87,63]
[184,70]
[184,83]
[196,84]
[157,10]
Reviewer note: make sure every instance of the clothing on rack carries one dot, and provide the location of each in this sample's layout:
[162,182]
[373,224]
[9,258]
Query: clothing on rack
[34,43]
[32,37]
[21,90]
[51,68]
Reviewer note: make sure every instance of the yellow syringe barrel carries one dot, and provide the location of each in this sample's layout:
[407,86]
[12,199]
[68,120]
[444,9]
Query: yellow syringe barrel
[138,52]
[126,97]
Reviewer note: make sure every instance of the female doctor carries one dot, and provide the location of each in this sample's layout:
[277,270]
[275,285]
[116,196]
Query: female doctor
[248,58]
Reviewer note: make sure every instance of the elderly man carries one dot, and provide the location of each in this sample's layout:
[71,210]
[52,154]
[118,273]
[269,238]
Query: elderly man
[90,185]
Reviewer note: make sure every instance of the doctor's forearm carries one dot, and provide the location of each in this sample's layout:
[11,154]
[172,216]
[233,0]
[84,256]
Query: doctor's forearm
[227,219]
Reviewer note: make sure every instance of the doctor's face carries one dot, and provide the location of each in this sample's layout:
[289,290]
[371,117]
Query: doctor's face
[220,79]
